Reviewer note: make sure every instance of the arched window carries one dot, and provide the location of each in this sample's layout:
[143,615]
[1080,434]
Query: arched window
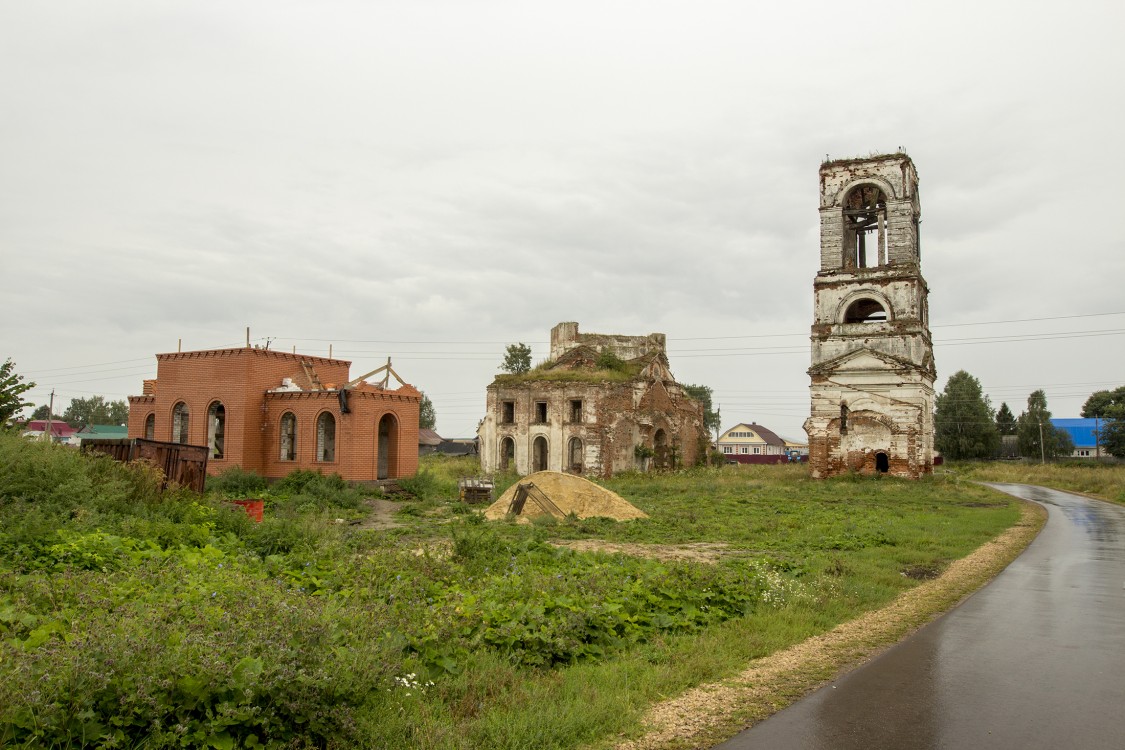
[216,428]
[180,419]
[865,227]
[865,311]
[326,437]
[288,437]
[150,427]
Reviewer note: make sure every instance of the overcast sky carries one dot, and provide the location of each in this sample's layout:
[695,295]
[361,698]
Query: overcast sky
[431,181]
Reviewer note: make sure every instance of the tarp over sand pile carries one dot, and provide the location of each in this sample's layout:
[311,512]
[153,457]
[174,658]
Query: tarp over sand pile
[571,494]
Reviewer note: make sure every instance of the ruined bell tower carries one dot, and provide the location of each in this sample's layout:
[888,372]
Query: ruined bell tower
[872,374]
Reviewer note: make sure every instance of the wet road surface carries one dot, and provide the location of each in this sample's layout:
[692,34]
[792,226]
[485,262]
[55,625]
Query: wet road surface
[1036,659]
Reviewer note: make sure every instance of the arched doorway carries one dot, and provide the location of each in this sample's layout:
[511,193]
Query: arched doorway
[574,456]
[388,446]
[539,453]
[507,453]
[660,450]
[882,463]
[216,429]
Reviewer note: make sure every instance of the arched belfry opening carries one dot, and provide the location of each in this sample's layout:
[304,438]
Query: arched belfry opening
[872,371]
[866,310]
[865,227]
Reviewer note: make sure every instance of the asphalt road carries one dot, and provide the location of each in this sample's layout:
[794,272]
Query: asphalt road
[1036,659]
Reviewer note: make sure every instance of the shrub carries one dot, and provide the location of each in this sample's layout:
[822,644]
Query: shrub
[236,482]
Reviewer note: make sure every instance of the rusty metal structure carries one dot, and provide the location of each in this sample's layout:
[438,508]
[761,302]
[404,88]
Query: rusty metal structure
[181,465]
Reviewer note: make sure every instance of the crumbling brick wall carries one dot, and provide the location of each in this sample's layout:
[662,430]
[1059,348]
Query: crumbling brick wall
[872,367]
[620,424]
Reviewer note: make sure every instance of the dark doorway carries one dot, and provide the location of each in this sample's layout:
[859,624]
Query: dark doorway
[539,454]
[882,463]
[388,446]
[574,456]
[661,454]
[507,453]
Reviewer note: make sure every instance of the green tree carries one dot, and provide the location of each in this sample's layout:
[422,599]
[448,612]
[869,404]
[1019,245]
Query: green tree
[1105,404]
[1108,406]
[712,420]
[96,410]
[427,417]
[964,427]
[1038,438]
[517,359]
[44,411]
[1111,437]
[1005,420]
[12,389]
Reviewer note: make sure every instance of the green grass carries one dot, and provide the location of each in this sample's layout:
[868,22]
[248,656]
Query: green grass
[132,618]
[1100,479]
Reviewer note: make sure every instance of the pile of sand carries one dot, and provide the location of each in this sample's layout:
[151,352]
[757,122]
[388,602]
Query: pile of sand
[571,494]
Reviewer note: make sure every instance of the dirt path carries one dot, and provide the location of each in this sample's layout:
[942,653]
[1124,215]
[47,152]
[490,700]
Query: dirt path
[707,714]
[382,514]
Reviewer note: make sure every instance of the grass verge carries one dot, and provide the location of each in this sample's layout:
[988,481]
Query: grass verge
[710,713]
[1095,478]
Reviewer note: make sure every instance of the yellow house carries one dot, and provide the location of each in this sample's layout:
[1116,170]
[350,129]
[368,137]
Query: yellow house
[750,440]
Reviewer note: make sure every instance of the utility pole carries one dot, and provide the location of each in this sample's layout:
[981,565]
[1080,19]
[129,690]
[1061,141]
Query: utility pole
[1042,448]
[50,413]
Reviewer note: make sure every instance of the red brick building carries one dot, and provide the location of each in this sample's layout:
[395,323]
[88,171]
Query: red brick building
[273,412]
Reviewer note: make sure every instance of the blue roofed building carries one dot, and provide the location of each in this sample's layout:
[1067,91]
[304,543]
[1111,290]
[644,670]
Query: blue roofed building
[1082,433]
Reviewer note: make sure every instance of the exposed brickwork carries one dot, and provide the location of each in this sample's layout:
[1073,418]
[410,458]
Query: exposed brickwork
[872,371]
[651,411]
[246,382]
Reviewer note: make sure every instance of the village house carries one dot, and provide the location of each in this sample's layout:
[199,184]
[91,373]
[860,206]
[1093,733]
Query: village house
[273,412]
[601,404]
[745,440]
[872,373]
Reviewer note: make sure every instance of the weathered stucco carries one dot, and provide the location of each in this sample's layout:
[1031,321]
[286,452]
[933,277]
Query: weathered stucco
[872,371]
[587,424]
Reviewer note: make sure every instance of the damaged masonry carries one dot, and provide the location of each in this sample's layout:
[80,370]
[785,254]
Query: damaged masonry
[872,374]
[602,404]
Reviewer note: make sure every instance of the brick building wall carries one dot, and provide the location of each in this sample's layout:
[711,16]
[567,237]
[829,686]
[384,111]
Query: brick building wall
[248,382]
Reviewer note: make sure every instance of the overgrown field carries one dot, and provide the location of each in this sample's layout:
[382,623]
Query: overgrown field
[1105,480]
[130,619]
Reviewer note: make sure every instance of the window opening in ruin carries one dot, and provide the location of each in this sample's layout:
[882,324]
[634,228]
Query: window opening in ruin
[180,419]
[508,412]
[865,228]
[539,454]
[150,427]
[388,446]
[574,453]
[540,412]
[288,437]
[326,437]
[843,419]
[216,428]
[576,410]
[882,463]
[865,311]
[507,453]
